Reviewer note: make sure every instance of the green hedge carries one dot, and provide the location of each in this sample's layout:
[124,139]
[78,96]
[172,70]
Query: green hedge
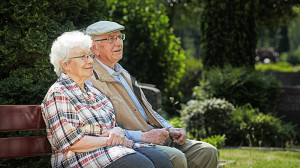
[242,126]
[240,86]
[190,78]
[249,127]
[27,30]
[280,66]
[217,141]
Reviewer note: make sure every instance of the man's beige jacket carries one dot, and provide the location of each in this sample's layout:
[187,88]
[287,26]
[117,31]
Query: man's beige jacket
[127,114]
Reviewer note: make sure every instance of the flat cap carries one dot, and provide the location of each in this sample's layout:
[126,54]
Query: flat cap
[103,27]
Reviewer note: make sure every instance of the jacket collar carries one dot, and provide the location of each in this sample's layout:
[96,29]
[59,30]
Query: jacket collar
[100,73]
[104,73]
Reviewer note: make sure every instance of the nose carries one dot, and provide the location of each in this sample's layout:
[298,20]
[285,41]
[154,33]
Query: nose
[118,41]
[90,60]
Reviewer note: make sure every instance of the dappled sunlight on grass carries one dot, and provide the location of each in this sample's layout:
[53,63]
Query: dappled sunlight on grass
[260,158]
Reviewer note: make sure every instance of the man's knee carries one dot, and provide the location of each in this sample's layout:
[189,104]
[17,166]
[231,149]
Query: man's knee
[210,151]
[202,155]
[207,158]
[177,157]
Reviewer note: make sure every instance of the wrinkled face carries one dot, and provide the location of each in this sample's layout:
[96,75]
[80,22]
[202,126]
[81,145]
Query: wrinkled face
[80,65]
[108,52]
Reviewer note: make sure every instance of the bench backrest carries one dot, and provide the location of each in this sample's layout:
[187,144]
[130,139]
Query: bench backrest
[22,118]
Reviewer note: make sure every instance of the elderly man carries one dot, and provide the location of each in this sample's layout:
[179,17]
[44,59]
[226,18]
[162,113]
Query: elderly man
[133,112]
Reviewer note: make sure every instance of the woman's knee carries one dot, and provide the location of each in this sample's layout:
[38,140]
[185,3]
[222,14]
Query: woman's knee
[158,158]
[135,160]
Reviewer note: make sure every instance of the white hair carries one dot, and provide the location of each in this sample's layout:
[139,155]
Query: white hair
[63,45]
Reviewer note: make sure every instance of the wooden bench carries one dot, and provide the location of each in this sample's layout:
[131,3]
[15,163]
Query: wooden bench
[22,118]
[29,118]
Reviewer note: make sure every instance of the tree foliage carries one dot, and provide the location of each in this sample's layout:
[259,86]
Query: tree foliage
[240,86]
[183,13]
[228,33]
[276,24]
[273,13]
[27,30]
[229,28]
[151,51]
[294,33]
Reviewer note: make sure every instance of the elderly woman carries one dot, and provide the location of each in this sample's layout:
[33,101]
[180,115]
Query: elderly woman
[80,120]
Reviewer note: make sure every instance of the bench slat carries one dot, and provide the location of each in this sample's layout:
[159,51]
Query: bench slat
[24,146]
[21,118]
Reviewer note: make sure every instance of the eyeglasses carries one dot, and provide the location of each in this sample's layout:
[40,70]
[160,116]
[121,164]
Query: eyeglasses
[85,57]
[112,39]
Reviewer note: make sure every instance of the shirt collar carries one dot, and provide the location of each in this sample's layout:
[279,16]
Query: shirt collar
[116,71]
[71,86]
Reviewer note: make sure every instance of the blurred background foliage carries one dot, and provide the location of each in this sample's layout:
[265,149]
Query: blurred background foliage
[183,47]
[27,30]
[240,86]
[163,44]
[152,53]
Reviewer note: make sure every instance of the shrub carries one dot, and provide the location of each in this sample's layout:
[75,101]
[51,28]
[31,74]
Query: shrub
[242,126]
[264,128]
[190,78]
[237,134]
[280,66]
[240,86]
[249,127]
[27,85]
[208,117]
[176,122]
[294,56]
[270,131]
[193,119]
[217,141]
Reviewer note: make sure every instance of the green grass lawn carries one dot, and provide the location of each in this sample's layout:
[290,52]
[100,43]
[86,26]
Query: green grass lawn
[260,158]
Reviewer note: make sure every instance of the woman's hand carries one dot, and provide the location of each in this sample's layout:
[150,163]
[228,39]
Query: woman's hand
[115,136]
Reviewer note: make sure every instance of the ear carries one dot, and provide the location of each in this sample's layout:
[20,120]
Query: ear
[64,65]
[94,49]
